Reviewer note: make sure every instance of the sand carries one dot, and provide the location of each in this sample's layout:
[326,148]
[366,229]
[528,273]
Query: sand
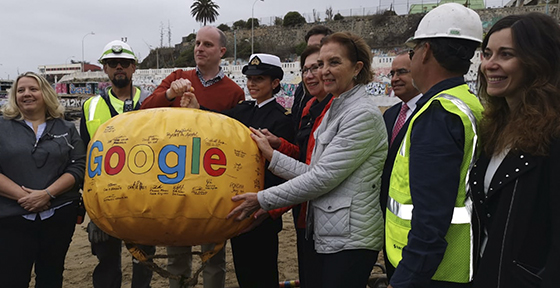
[80,262]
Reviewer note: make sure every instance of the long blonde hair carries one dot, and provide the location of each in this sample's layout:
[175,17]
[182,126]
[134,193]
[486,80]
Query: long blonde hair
[11,110]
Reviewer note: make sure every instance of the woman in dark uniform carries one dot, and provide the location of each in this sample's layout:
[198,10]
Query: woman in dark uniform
[255,253]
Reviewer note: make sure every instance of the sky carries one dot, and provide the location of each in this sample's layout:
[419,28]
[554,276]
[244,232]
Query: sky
[39,32]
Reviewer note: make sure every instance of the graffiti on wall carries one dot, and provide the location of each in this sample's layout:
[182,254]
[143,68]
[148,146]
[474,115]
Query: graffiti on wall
[61,88]
[75,103]
[147,87]
[288,89]
[285,101]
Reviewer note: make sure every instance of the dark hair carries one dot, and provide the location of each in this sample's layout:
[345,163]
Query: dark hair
[277,89]
[536,120]
[356,50]
[318,30]
[453,54]
[308,51]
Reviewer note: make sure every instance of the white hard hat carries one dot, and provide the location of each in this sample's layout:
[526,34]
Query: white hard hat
[450,20]
[117,49]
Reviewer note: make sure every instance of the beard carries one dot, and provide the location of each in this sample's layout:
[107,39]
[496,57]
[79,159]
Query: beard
[121,82]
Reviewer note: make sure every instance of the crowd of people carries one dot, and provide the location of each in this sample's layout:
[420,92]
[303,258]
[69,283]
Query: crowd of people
[455,189]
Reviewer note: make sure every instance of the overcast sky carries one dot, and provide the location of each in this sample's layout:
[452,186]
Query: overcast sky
[45,32]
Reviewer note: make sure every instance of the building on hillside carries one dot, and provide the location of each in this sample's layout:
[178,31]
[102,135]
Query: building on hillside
[5,86]
[426,7]
[55,72]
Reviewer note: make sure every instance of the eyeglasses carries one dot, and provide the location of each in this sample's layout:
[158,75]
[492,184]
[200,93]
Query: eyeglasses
[113,63]
[411,52]
[313,69]
[399,72]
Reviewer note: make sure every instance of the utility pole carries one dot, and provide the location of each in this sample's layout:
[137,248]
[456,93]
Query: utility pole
[168,33]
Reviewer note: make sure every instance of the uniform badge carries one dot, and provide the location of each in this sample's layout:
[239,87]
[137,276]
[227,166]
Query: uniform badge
[256,61]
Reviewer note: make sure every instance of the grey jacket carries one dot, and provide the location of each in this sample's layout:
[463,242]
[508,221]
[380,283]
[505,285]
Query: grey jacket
[37,164]
[343,179]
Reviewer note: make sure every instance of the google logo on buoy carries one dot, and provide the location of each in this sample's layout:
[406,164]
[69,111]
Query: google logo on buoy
[141,158]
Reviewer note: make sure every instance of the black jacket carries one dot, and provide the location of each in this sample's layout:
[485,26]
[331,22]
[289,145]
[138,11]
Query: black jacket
[521,216]
[271,116]
[38,164]
[390,117]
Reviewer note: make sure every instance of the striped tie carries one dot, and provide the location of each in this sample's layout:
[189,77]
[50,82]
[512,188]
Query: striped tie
[400,122]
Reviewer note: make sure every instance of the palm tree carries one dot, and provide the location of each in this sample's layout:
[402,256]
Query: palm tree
[205,11]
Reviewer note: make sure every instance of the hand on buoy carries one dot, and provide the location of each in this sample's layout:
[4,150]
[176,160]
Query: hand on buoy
[248,207]
[262,141]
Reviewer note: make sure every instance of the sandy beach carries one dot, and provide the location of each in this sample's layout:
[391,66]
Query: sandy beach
[80,262]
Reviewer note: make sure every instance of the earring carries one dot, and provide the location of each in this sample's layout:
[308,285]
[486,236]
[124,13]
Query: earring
[355,77]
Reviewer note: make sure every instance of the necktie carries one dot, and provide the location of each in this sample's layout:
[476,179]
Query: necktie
[400,122]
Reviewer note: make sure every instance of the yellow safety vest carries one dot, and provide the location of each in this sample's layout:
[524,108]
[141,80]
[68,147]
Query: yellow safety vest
[457,263]
[97,111]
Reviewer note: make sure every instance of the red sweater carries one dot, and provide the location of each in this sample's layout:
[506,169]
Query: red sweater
[220,96]
[292,150]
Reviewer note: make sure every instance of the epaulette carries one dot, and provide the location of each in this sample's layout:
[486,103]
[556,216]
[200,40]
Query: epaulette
[281,108]
[247,102]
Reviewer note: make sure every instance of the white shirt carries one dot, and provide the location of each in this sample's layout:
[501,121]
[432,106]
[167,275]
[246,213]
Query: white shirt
[411,107]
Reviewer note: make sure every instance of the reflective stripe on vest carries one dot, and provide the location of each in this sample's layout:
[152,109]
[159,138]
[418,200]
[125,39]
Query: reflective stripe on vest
[454,266]
[461,215]
[467,111]
[93,106]
[98,111]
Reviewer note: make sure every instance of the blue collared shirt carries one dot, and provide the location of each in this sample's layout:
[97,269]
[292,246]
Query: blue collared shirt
[212,81]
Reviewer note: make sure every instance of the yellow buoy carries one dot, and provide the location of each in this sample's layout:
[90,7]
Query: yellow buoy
[166,176]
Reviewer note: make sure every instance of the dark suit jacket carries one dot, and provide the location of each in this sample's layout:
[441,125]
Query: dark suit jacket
[390,116]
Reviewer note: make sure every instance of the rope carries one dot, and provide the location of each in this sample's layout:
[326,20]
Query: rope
[184,282]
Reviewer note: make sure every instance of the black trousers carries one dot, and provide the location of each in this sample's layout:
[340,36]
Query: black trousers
[308,261]
[108,272]
[43,243]
[433,284]
[255,255]
[348,268]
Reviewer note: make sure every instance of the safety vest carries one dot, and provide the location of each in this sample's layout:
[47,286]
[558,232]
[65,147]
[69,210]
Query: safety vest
[457,263]
[97,111]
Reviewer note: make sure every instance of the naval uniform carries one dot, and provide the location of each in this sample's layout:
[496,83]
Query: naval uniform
[255,253]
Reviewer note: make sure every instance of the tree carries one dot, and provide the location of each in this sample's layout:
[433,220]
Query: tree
[338,17]
[300,47]
[329,14]
[278,21]
[224,27]
[316,16]
[244,49]
[255,23]
[205,11]
[186,58]
[239,24]
[190,37]
[293,18]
